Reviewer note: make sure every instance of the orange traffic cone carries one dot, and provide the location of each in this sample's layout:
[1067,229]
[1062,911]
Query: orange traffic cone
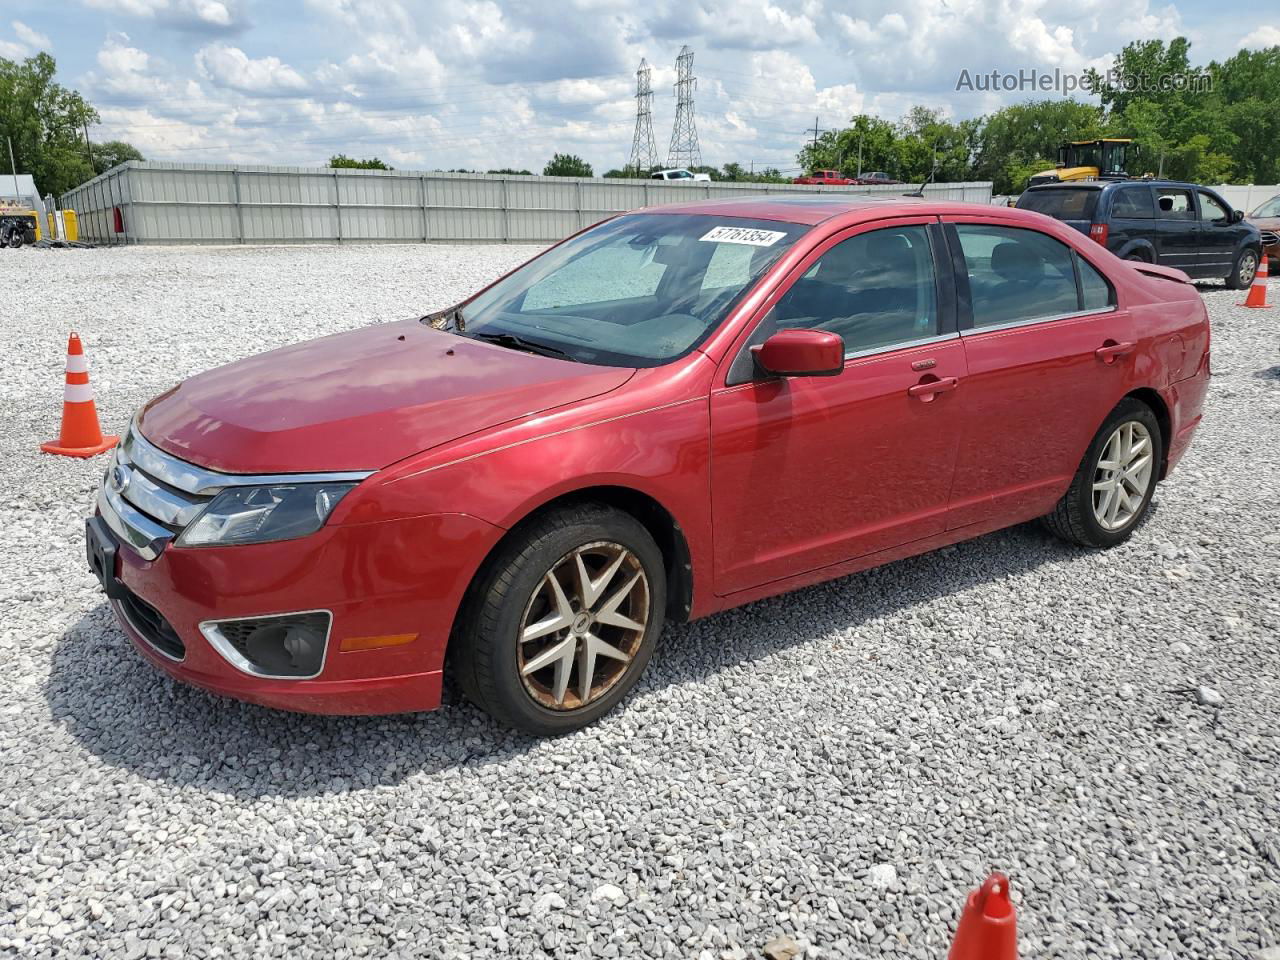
[81,435]
[1258,292]
[988,928]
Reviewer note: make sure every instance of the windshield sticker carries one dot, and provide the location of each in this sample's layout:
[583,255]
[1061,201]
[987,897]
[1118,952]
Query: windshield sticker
[748,235]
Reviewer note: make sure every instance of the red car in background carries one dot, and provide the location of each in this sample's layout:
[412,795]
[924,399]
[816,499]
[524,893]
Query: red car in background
[674,412]
[830,178]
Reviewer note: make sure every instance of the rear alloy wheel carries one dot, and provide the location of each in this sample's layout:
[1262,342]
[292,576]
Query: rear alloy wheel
[563,620]
[1241,276]
[1111,491]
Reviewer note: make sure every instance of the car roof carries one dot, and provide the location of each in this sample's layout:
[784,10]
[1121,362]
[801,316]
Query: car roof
[814,208]
[1104,184]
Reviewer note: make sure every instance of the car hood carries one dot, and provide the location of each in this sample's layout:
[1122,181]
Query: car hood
[1265,223]
[360,400]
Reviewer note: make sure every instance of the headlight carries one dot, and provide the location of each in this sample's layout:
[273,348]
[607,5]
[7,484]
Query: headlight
[262,514]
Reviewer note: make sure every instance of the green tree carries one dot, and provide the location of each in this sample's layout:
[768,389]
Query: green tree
[46,122]
[1020,140]
[567,165]
[510,171]
[112,153]
[343,162]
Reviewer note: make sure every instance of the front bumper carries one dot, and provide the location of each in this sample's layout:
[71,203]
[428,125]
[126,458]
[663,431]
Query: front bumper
[393,578]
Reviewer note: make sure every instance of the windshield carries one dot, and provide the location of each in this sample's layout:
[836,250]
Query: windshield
[637,291]
[1269,209]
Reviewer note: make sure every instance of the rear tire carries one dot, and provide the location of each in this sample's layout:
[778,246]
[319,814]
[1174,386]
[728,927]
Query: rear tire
[1112,489]
[1243,271]
[583,648]
[1137,258]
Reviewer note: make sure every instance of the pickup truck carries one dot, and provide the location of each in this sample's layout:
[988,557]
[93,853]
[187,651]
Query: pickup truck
[680,173]
[830,178]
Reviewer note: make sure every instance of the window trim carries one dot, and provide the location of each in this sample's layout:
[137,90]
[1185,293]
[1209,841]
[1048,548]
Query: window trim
[1119,192]
[738,360]
[964,295]
[1222,204]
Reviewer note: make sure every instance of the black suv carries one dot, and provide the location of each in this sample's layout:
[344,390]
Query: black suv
[1157,221]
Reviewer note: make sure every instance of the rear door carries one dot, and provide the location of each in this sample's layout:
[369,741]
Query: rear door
[1177,230]
[1047,353]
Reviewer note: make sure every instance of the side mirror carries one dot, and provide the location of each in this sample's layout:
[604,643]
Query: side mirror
[1237,216]
[801,353]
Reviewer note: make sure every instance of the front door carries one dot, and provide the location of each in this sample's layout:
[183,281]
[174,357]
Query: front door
[810,471]
[1047,353]
[1218,236]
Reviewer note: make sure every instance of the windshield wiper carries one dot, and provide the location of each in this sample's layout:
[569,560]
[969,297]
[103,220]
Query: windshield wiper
[513,342]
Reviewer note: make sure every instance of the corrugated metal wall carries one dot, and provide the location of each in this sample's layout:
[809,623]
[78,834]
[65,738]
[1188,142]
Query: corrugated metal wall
[163,202]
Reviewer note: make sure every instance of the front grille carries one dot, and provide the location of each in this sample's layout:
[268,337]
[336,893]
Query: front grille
[1270,239]
[152,626]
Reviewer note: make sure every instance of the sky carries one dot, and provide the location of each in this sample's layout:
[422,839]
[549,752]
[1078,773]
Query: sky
[439,85]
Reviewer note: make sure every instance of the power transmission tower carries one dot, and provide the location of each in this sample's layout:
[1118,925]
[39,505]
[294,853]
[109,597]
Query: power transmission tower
[684,150]
[644,152]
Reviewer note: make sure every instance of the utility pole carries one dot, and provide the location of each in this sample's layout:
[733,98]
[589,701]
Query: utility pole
[644,152]
[684,150]
[13,167]
[859,157]
[88,151]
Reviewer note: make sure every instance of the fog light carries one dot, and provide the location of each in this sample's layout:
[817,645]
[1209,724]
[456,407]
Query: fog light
[288,646]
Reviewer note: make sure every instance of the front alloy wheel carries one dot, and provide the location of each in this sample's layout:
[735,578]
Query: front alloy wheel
[561,621]
[583,625]
[1241,278]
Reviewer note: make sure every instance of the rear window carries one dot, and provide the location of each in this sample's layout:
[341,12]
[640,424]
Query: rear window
[1061,204]
[1133,203]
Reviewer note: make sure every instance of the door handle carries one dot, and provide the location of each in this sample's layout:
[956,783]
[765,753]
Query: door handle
[926,390]
[1110,350]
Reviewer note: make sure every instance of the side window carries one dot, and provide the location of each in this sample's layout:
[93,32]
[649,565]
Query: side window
[613,271]
[1133,203]
[1095,292]
[1212,210]
[1175,204]
[1016,274]
[875,289]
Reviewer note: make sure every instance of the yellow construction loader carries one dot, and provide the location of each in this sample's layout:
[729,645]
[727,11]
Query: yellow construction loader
[1103,159]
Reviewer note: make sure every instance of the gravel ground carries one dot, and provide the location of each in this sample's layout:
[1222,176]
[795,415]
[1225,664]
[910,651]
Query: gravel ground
[837,766]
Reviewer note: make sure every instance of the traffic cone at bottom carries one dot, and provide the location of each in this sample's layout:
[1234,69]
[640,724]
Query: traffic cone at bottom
[988,928]
[81,434]
[1258,292]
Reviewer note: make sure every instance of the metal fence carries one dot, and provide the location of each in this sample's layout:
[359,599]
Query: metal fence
[159,202]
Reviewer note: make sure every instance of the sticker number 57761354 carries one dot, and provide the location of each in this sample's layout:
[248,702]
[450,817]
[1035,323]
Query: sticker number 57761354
[748,235]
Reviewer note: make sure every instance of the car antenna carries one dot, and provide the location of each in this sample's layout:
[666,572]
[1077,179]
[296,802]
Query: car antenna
[933,169]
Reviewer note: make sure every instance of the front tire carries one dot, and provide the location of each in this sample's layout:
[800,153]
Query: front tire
[562,621]
[1111,491]
[1243,272]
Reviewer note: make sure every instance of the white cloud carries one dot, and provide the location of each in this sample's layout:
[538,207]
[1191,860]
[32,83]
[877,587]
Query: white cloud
[1264,36]
[199,15]
[30,37]
[231,67]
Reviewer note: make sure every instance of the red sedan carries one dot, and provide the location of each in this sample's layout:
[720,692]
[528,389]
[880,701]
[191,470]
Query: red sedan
[671,413]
